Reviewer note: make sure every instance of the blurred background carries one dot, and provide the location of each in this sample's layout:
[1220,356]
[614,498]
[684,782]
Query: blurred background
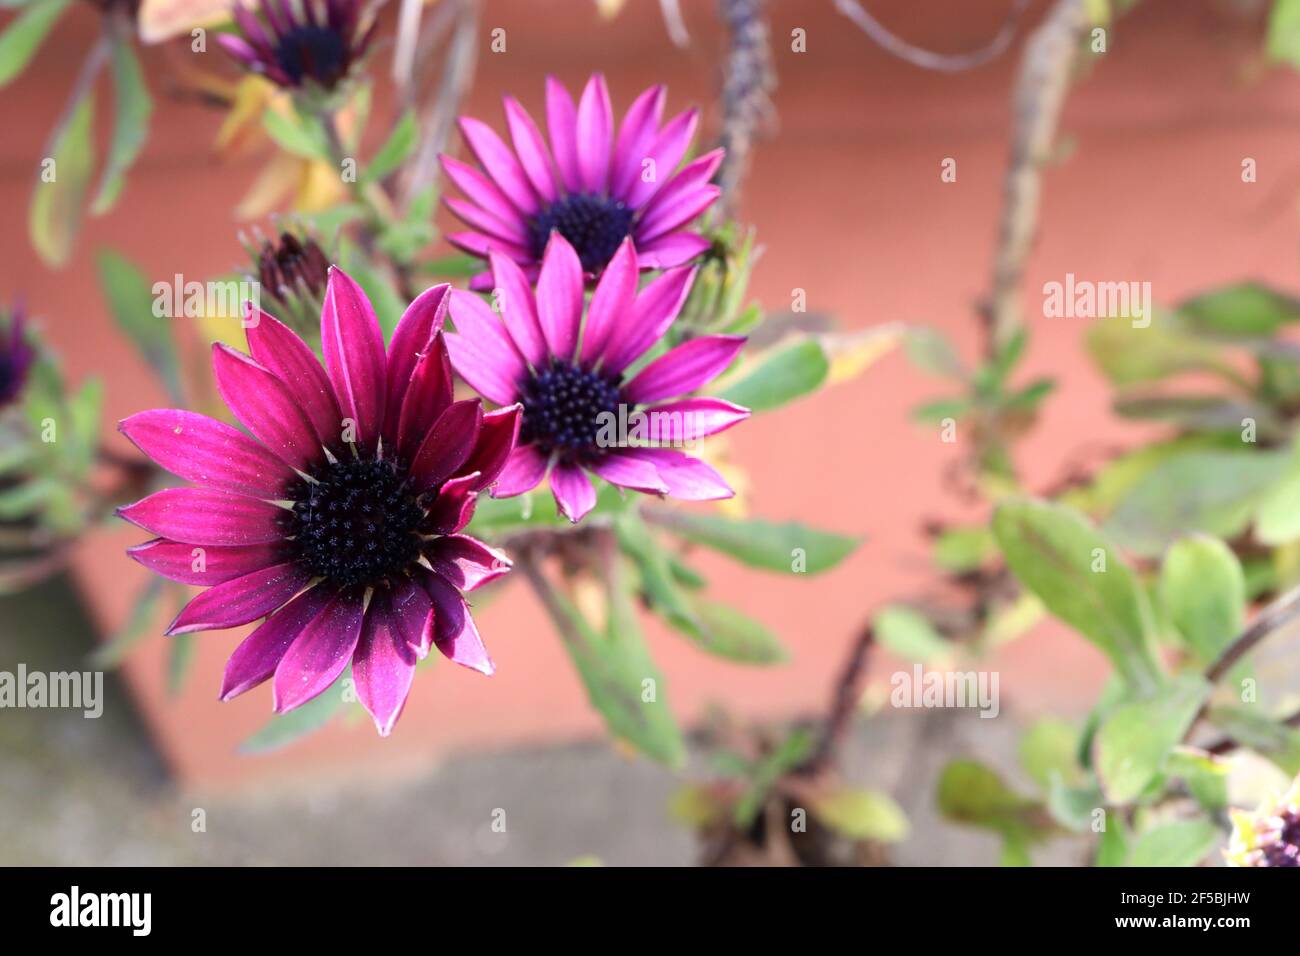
[847,195]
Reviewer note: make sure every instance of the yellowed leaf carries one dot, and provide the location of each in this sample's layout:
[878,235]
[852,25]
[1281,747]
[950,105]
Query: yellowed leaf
[161,20]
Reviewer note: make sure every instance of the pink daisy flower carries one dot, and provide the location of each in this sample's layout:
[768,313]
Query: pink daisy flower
[340,524]
[594,185]
[569,377]
[314,44]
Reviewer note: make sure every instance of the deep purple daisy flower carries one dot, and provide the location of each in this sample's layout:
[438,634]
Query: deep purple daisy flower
[569,377]
[593,185]
[16,357]
[341,523]
[311,43]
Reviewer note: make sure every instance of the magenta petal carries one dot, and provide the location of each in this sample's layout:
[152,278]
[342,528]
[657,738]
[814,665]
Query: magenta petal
[411,611]
[429,394]
[276,347]
[202,566]
[524,471]
[320,653]
[481,350]
[562,125]
[595,133]
[573,491]
[353,345]
[242,600]
[692,418]
[266,407]
[672,250]
[505,230]
[559,296]
[621,469]
[687,478]
[209,452]
[480,189]
[689,178]
[466,562]
[518,309]
[257,657]
[640,124]
[499,163]
[496,438]
[206,517]
[677,213]
[610,303]
[448,444]
[383,667]
[454,506]
[478,244]
[531,149]
[413,336]
[667,151]
[652,312]
[684,368]
[454,632]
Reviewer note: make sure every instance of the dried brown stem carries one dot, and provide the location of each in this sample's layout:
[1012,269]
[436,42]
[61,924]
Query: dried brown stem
[928,59]
[844,703]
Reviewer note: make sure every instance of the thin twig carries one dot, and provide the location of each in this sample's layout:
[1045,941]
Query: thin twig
[927,59]
[1226,745]
[844,702]
[747,85]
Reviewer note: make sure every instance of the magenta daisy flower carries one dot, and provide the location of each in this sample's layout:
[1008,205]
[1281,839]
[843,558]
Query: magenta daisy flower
[16,357]
[594,185]
[341,523]
[314,43]
[579,414]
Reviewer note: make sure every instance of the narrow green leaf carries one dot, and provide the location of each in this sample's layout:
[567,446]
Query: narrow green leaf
[862,814]
[1247,310]
[1203,592]
[1283,42]
[396,148]
[297,134]
[931,351]
[729,632]
[973,794]
[284,729]
[910,635]
[130,301]
[1136,739]
[180,653]
[781,377]
[1112,845]
[56,208]
[135,629]
[789,547]
[25,34]
[132,109]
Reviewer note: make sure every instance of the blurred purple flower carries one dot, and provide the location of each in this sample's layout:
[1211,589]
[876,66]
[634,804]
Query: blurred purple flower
[312,43]
[568,375]
[16,356]
[341,527]
[594,185]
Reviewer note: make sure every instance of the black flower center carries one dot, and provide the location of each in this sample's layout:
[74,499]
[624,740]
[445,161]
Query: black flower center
[563,407]
[315,53]
[593,225]
[1284,848]
[357,523]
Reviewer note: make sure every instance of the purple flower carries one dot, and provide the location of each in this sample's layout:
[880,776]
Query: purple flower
[313,43]
[341,524]
[569,376]
[593,185]
[16,357]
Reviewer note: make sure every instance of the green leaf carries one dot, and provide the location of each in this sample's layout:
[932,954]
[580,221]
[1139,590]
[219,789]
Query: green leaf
[1060,558]
[1200,413]
[973,794]
[1183,843]
[55,212]
[135,629]
[1277,520]
[960,550]
[792,751]
[929,350]
[730,633]
[1261,733]
[1206,776]
[781,377]
[1047,750]
[132,109]
[1073,807]
[1129,356]
[459,266]
[789,547]
[933,413]
[861,815]
[910,635]
[1136,739]
[130,302]
[396,148]
[25,34]
[1112,846]
[297,134]
[284,729]
[1283,42]
[1249,310]
[180,653]
[1203,592]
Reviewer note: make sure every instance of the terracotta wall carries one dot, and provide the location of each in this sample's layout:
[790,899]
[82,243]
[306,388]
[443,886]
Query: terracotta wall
[849,203]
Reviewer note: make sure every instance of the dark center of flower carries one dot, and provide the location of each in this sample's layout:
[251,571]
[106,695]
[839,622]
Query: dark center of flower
[563,406]
[315,53]
[1283,849]
[593,225]
[357,523]
[10,378]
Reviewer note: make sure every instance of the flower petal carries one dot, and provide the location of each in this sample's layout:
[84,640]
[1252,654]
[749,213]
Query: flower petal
[242,600]
[276,347]
[652,312]
[677,213]
[257,657]
[412,338]
[666,151]
[383,667]
[684,368]
[477,244]
[690,177]
[466,562]
[691,418]
[640,124]
[559,297]
[209,452]
[610,303]
[518,308]
[496,438]
[454,632]
[595,132]
[499,163]
[480,189]
[412,616]
[674,249]
[206,517]
[524,471]
[482,351]
[530,148]
[448,444]
[454,506]
[687,478]
[505,230]
[353,345]
[562,126]
[621,469]
[266,407]
[319,654]
[573,491]
[205,567]
[430,393]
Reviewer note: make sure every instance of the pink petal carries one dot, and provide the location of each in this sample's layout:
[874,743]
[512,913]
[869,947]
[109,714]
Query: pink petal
[275,347]
[496,439]
[466,562]
[244,599]
[621,469]
[531,149]
[477,244]
[667,151]
[676,214]
[454,632]
[524,471]
[610,303]
[206,517]
[573,491]
[671,250]
[257,657]
[448,444]
[499,163]
[454,506]
[684,368]
[209,452]
[690,177]
[383,667]
[319,654]
[518,308]
[353,345]
[414,335]
[562,125]
[687,478]
[595,130]
[691,418]
[429,395]
[652,312]
[505,230]
[480,189]
[205,567]
[266,407]
[559,297]
[640,124]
